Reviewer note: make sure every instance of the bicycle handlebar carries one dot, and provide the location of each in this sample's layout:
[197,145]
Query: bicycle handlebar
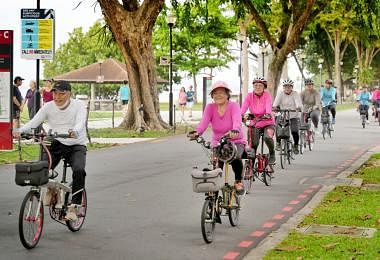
[44,135]
[287,110]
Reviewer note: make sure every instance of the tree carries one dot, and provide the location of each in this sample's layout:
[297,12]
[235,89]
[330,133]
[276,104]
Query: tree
[131,24]
[291,18]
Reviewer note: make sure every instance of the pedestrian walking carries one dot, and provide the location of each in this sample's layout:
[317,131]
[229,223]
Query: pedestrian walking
[17,101]
[190,100]
[30,97]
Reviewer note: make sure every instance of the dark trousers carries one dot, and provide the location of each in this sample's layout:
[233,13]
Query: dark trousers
[75,155]
[268,137]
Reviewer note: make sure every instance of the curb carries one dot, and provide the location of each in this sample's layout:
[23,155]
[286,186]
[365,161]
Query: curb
[276,237]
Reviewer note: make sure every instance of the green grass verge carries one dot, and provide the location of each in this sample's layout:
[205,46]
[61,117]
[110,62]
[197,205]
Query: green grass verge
[370,171]
[123,133]
[31,151]
[345,106]
[345,206]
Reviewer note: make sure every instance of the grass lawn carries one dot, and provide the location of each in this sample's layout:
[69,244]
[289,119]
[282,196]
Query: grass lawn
[344,206]
[31,151]
[370,172]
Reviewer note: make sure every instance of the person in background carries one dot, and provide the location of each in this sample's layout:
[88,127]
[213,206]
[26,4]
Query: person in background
[190,100]
[363,100]
[46,93]
[290,99]
[17,101]
[328,98]
[182,99]
[311,101]
[30,97]
[376,100]
[225,119]
[124,97]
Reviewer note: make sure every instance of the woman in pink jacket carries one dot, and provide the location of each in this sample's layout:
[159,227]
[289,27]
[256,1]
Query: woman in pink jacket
[259,103]
[225,118]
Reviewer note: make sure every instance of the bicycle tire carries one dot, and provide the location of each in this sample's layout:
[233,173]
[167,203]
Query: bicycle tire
[267,177]
[283,153]
[302,143]
[329,130]
[311,141]
[248,176]
[324,130]
[208,220]
[76,225]
[289,154]
[233,211]
[30,227]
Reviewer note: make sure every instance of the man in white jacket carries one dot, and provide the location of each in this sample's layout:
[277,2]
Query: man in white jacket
[65,116]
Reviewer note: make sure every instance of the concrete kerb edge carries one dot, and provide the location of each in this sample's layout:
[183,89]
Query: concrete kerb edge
[275,238]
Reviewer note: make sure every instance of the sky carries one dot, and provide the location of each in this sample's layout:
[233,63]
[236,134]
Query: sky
[67,17]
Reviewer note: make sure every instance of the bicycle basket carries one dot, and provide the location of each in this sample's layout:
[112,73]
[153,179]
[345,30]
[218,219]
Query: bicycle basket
[325,118]
[362,110]
[33,173]
[207,180]
[283,131]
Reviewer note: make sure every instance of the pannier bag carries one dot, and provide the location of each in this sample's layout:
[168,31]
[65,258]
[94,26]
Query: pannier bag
[283,131]
[207,180]
[362,110]
[32,173]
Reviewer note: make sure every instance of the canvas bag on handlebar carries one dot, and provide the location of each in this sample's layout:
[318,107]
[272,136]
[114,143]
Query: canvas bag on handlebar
[207,180]
[32,173]
[283,130]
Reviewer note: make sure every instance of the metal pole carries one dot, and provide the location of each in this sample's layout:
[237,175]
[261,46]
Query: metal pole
[320,72]
[240,72]
[170,78]
[37,96]
[303,80]
[263,65]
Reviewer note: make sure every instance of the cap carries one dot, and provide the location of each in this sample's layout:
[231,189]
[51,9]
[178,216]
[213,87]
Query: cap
[219,84]
[328,81]
[19,78]
[61,86]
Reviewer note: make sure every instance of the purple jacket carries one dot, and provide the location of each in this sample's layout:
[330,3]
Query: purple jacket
[220,125]
[259,105]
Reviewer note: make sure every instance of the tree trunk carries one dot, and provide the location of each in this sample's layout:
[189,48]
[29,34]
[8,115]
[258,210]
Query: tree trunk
[275,70]
[195,89]
[132,27]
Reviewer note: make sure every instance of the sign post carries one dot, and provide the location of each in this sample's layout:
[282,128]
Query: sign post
[6,66]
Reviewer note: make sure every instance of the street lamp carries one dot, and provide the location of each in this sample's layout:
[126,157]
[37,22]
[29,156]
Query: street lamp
[320,62]
[303,57]
[100,77]
[263,53]
[170,19]
[241,38]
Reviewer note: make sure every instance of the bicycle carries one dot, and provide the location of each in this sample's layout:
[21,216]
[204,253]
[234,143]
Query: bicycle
[363,110]
[376,108]
[307,135]
[36,174]
[283,133]
[210,182]
[326,122]
[260,170]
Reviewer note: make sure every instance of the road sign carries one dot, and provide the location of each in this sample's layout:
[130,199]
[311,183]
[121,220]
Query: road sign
[6,64]
[37,27]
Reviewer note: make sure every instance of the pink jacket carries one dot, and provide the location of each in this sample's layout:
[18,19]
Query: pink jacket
[376,95]
[220,125]
[182,98]
[259,105]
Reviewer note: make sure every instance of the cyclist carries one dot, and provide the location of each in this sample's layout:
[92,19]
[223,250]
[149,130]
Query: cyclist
[225,118]
[259,103]
[328,98]
[65,115]
[376,99]
[311,102]
[363,100]
[290,99]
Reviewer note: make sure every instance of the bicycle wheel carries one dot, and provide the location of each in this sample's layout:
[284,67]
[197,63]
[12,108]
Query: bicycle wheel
[233,211]
[75,225]
[302,143]
[248,176]
[289,154]
[324,130]
[31,220]
[329,128]
[208,220]
[267,177]
[283,153]
[310,140]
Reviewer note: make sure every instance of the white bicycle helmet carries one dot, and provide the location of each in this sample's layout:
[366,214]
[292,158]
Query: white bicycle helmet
[260,80]
[309,82]
[288,82]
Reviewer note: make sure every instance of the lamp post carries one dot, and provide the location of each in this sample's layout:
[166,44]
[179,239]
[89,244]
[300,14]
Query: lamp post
[171,21]
[263,52]
[356,75]
[241,39]
[320,62]
[303,57]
